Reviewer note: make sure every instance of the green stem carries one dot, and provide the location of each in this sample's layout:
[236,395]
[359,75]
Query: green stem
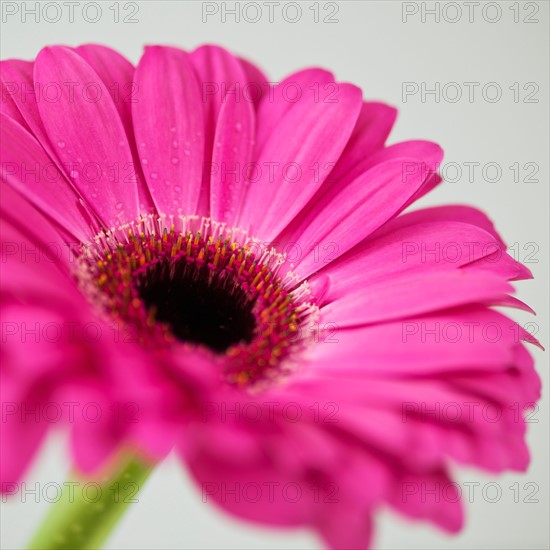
[87,511]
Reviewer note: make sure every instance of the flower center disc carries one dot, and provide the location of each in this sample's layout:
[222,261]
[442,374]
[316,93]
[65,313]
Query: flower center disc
[200,288]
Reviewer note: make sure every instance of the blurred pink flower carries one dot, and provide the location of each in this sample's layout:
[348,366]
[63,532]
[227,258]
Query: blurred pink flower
[230,258]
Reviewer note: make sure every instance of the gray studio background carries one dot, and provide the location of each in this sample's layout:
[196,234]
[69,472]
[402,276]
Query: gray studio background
[378,46]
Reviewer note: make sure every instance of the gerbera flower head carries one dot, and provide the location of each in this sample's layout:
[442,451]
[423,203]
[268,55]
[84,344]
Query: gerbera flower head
[241,249]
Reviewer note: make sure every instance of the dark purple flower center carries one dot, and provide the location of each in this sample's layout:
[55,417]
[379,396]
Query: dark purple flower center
[174,287]
[200,305]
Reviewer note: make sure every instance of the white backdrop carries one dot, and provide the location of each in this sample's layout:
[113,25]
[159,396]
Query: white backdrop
[393,50]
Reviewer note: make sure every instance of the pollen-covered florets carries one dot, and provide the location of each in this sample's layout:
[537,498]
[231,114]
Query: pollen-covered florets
[194,280]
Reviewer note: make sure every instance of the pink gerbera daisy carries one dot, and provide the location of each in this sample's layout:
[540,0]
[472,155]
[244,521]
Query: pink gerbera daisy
[231,257]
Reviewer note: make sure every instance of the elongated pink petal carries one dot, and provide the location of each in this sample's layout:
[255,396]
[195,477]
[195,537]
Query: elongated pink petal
[410,498]
[470,338]
[449,213]
[21,89]
[407,296]
[421,158]
[232,153]
[424,420]
[347,217]
[358,532]
[168,123]
[117,73]
[369,135]
[256,82]
[27,168]
[502,263]
[16,211]
[24,254]
[26,93]
[88,136]
[411,250]
[222,79]
[21,436]
[310,86]
[8,106]
[309,134]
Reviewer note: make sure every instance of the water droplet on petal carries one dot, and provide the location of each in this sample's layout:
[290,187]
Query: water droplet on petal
[175,160]
[154,175]
[173,129]
[144,161]
[186,152]
[175,144]
[61,144]
[118,206]
[74,174]
[142,144]
[177,189]
[238,126]
[218,143]
[167,182]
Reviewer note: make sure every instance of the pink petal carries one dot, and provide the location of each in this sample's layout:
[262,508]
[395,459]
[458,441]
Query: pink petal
[97,431]
[26,95]
[25,254]
[26,168]
[430,183]
[18,76]
[501,263]
[413,499]
[470,338]
[309,85]
[369,135]
[349,216]
[21,435]
[222,79]
[232,152]
[311,133]
[19,214]
[8,106]
[454,213]
[257,83]
[216,479]
[415,249]
[117,73]
[408,296]
[88,136]
[168,123]
[347,528]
